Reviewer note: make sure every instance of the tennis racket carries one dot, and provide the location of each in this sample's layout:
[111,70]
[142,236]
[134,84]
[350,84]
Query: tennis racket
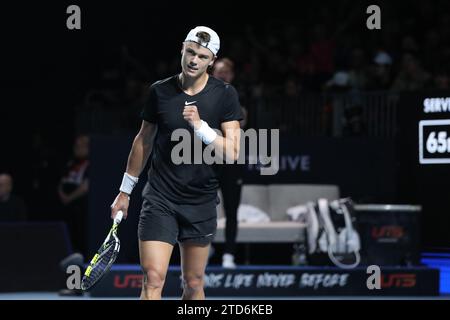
[104,258]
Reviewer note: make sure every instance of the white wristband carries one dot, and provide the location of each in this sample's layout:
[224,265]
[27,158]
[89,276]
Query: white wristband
[128,183]
[205,133]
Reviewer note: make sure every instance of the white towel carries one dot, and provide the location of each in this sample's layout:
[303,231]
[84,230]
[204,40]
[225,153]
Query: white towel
[249,213]
[295,212]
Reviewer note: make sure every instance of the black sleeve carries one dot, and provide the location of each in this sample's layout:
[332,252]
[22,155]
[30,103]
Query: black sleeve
[232,108]
[149,112]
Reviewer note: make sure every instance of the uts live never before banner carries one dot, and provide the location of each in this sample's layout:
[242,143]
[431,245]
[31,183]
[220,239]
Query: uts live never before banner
[259,281]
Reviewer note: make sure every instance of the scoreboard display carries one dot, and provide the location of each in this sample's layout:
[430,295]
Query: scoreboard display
[423,153]
[434,131]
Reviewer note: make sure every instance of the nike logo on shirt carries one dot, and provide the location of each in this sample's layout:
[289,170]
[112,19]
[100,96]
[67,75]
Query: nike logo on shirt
[189,103]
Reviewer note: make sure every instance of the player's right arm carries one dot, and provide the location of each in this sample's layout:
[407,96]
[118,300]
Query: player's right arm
[140,151]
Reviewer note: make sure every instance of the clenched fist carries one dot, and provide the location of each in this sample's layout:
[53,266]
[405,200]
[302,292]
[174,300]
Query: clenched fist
[190,114]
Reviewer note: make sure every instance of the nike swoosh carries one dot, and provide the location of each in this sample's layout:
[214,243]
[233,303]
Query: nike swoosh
[189,103]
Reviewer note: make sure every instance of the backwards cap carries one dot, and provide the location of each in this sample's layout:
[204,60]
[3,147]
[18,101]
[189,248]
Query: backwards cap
[214,42]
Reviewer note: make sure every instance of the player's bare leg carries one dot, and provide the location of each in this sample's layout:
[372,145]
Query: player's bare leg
[155,258]
[194,258]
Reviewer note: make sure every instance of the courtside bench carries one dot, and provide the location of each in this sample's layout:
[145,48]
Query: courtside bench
[275,199]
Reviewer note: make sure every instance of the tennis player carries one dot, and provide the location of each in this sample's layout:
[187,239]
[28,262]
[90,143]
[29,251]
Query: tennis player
[179,200]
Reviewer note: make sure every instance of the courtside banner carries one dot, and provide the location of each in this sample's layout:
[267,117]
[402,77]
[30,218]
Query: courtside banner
[278,281]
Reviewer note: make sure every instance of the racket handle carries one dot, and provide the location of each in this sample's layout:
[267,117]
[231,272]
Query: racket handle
[118,217]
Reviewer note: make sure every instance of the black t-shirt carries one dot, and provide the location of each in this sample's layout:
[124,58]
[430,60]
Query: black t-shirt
[185,183]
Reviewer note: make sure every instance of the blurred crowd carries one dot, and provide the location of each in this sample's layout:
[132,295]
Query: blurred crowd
[319,49]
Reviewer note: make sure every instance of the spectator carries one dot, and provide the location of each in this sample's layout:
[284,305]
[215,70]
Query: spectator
[44,176]
[409,45]
[340,82]
[354,125]
[380,74]
[73,190]
[291,88]
[230,179]
[134,98]
[358,76]
[411,76]
[12,207]
[322,52]
[441,80]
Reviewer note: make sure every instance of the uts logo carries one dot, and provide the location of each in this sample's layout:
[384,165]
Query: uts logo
[388,232]
[129,281]
[398,280]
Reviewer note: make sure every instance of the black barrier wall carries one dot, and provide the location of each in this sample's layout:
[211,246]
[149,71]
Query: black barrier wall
[30,256]
[362,168]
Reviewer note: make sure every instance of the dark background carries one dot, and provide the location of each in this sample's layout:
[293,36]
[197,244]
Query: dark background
[48,71]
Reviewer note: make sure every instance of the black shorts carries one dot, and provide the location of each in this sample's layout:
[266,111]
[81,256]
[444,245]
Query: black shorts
[162,220]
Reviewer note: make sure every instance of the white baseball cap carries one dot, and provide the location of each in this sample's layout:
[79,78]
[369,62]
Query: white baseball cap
[213,44]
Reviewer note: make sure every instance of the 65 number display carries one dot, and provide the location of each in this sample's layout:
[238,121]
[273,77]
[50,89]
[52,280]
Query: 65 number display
[434,141]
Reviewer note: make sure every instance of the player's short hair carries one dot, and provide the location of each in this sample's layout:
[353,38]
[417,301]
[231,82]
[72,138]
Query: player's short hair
[203,36]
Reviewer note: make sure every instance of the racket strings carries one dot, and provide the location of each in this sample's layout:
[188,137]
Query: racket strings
[106,257]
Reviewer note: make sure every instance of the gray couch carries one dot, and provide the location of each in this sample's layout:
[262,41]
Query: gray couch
[275,199]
